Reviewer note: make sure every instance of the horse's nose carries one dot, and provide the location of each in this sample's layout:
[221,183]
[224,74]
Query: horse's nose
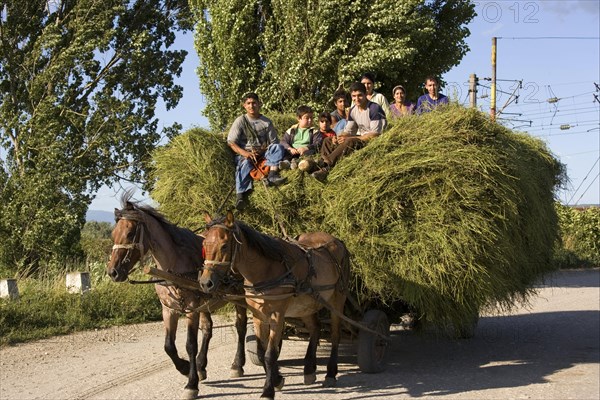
[114,274]
[206,284]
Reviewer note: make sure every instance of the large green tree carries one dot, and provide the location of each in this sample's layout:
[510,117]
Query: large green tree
[79,84]
[300,51]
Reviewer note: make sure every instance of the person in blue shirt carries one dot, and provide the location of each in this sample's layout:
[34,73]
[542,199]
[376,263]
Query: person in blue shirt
[433,98]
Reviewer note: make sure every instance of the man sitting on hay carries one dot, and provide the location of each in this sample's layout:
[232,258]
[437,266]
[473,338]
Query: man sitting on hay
[253,138]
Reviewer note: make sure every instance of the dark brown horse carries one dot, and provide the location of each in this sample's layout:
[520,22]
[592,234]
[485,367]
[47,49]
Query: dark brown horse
[281,279]
[141,229]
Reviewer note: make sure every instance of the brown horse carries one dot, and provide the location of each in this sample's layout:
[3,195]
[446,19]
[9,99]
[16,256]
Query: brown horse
[140,229]
[281,279]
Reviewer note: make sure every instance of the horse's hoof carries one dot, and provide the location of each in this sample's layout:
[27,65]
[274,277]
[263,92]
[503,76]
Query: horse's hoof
[236,372]
[280,385]
[329,382]
[310,379]
[202,375]
[190,394]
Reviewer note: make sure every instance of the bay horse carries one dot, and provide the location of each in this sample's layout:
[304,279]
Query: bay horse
[140,229]
[281,279]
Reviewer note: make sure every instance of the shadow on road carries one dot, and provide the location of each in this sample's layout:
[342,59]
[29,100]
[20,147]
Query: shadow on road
[506,352]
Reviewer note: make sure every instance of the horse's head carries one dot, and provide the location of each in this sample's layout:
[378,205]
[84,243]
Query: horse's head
[128,244]
[219,248]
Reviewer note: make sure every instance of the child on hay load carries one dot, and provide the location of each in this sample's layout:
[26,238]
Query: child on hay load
[253,137]
[308,164]
[366,120]
[301,139]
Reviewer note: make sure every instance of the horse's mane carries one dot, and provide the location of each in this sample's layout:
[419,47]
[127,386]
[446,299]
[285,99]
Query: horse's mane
[183,237]
[270,247]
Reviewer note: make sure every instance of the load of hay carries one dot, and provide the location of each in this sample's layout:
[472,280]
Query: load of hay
[448,212]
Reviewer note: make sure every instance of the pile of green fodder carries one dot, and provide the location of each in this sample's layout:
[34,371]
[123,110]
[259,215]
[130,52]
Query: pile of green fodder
[448,212]
[192,174]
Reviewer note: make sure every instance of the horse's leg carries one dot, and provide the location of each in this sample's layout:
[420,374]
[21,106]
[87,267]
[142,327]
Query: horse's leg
[191,345]
[261,330]
[337,302]
[206,326]
[310,359]
[170,319]
[274,380]
[241,320]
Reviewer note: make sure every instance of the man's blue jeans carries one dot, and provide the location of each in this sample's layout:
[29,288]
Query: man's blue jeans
[243,180]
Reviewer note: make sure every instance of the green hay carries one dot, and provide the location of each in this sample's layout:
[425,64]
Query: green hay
[448,212]
[192,174]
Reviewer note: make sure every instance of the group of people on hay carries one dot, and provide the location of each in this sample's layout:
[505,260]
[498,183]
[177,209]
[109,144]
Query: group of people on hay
[260,155]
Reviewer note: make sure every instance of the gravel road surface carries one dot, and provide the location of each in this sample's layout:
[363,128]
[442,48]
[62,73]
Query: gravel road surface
[549,350]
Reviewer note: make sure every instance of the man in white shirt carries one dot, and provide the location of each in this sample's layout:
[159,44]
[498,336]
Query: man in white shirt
[366,120]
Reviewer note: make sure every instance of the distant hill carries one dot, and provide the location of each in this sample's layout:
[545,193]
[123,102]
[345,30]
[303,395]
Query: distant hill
[100,216]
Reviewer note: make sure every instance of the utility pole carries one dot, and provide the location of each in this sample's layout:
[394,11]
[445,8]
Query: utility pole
[493,87]
[473,90]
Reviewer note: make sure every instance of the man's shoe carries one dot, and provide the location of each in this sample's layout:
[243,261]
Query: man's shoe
[240,204]
[285,164]
[321,175]
[275,179]
[241,201]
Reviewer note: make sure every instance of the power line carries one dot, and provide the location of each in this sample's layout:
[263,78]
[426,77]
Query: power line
[583,180]
[587,188]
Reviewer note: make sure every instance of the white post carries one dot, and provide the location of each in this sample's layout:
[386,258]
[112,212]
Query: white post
[9,289]
[78,282]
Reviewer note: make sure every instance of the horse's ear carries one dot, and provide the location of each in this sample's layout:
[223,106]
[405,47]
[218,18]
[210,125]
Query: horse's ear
[118,214]
[207,217]
[229,220]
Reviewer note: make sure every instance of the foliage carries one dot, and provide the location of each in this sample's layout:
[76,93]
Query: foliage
[580,237]
[45,309]
[447,212]
[297,52]
[79,84]
[96,241]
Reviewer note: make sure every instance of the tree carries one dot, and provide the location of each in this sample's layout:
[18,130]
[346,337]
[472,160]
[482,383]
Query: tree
[293,52]
[79,84]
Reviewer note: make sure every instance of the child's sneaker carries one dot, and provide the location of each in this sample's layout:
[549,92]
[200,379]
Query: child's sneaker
[285,164]
[294,164]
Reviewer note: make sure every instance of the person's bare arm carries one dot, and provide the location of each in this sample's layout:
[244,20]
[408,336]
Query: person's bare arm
[242,152]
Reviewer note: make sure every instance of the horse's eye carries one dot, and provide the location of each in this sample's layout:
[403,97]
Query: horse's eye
[131,235]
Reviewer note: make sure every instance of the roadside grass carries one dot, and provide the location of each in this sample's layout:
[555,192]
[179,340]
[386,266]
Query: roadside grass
[45,308]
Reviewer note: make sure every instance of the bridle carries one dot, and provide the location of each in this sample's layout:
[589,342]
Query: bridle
[210,265]
[135,245]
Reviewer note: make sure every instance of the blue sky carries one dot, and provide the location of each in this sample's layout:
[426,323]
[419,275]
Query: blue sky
[551,47]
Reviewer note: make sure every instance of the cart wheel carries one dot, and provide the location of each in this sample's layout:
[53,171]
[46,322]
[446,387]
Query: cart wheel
[252,347]
[371,347]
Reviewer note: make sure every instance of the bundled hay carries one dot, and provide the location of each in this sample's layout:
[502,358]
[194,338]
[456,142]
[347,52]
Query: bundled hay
[193,173]
[447,211]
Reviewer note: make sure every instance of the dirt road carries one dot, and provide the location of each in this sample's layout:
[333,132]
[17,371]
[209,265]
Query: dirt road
[549,351]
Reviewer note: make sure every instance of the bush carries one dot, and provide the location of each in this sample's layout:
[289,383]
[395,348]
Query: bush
[579,246]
